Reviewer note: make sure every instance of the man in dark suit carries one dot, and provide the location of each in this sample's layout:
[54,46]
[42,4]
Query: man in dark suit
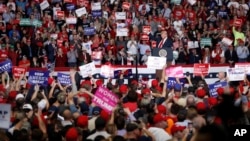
[231,55]
[30,50]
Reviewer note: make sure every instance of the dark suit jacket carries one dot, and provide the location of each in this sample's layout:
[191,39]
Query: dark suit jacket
[168,44]
[230,57]
[34,50]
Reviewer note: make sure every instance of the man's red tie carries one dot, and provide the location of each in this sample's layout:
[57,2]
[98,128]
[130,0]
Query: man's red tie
[160,44]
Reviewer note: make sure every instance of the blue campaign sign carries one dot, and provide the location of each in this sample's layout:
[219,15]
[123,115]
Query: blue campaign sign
[172,81]
[126,73]
[97,13]
[63,79]
[70,6]
[89,31]
[38,77]
[213,88]
[5,66]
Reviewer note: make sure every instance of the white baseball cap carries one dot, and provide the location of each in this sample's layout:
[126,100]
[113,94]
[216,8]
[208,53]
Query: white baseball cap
[19,96]
[27,106]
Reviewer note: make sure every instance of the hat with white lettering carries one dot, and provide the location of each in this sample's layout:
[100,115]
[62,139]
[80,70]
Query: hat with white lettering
[27,106]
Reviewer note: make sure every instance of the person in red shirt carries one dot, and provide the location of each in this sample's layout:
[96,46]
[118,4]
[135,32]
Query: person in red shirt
[112,47]
[178,12]
[12,55]
[24,62]
[61,59]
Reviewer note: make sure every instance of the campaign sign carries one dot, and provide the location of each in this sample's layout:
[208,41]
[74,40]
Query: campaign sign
[63,79]
[201,69]
[146,29]
[246,66]
[38,77]
[96,6]
[236,74]
[120,15]
[156,62]
[87,69]
[44,5]
[122,32]
[5,113]
[70,6]
[97,13]
[126,73]
[227,41]
[175,72]
[172,81]
[89,31]
[105,99]
[126,5]
[213,88]
[18,71]
[81,11]
[96,55]
[5,66]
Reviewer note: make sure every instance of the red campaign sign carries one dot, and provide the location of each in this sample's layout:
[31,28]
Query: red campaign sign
[2,8]
[68,1]
[126,5]
[18,71]
[60,14]
[201,69]
[238,22]
[146,29]
[96,55]
[153,44]
[144,37]
[83,3]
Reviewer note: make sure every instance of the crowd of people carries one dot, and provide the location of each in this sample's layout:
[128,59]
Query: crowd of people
[145,111]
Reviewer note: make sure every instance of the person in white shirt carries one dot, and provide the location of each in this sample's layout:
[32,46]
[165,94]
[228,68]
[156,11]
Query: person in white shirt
[100,125]
[144,6]
[166,11]
[144,58]
[242,51]
[143,47]
[158,128]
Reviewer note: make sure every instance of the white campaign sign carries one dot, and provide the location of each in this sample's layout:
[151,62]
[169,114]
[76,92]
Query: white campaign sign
[5,112]
[236,74]
[96,6]
[44,5]
[227,41]
[81,11]
[121,32]
[120,15]
[193,44]
[192,2]
[71,20]
[107,71]
[156,62]
[246,67]
[88,69]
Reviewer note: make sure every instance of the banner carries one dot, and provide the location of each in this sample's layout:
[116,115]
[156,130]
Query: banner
[89,31]
[205,42]
[87,70]
[126,73]
[246,67]
[81,11]
[28,22]
[236,74]
[107,71]
[63,79]
[38,77]
[121,32]
[192,2]
[71,20]
[5,116]
[96,6]
[172,81]
[120,15]
[201,69]
[18,71]
[227,41]
[193,44]
[5,66]
[105,99]
[175,1]
[126,5]
[156,62]
[146,29]
[96,13]
[213,88]
[44,5]
[96,55]
[176,72]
